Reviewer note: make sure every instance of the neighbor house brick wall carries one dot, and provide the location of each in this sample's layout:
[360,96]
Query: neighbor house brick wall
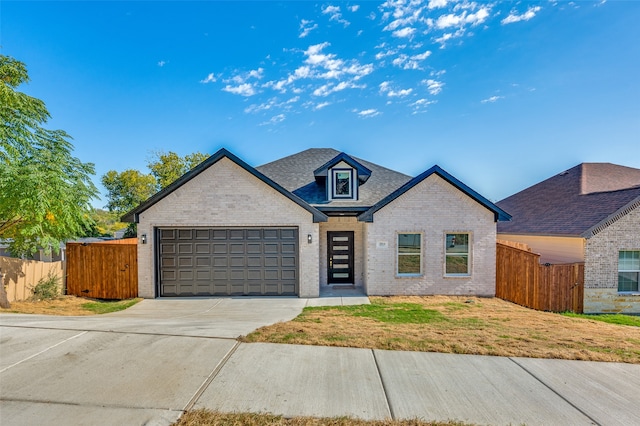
[227,195]
[433,207]
[343,224]
[601,266]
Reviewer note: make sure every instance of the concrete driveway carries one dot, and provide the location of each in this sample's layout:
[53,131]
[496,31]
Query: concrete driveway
[147,364]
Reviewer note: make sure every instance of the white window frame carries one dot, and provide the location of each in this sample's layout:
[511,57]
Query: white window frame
[637,271]
[467,253]
[398,254]
[334,180]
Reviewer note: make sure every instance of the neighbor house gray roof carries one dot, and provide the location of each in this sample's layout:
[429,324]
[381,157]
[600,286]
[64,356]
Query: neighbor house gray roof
[296,174]
[580,201]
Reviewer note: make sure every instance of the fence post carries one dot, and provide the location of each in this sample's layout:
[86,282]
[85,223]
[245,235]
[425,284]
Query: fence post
[4,300]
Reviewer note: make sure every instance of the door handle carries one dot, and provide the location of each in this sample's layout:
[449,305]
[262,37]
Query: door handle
[331,262]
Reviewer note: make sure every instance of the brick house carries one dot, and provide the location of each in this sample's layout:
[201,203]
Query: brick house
[589,213]
[312,219]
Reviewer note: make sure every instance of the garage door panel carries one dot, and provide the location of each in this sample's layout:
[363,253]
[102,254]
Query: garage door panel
[220,249]
[233,261]
[237,261]
[254,261]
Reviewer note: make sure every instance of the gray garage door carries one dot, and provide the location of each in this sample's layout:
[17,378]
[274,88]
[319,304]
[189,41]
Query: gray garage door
[228,261]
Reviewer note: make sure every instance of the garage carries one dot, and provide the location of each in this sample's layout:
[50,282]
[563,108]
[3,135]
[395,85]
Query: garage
[228,261]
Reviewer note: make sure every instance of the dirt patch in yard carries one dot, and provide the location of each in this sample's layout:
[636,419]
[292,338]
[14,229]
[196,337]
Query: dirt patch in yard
[63,306]
[457,325]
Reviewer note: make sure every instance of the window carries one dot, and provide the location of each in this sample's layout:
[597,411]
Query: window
[628,270]
[342,184]
[457,254]
[409,254]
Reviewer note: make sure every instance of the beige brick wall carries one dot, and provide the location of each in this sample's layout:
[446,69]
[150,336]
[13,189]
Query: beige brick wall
[343,224]
[433,208]
[227,195]
[601,266]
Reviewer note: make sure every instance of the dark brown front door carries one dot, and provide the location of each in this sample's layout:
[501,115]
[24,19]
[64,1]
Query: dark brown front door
[340,256]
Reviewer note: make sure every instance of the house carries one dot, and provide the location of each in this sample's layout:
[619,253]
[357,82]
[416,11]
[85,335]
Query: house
[312,219]
[589,213]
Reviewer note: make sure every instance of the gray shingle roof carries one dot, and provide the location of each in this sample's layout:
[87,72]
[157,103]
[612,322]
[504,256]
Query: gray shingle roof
[295,173]
[577,202]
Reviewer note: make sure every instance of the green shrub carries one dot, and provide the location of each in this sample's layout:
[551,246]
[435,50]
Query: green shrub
[48,288]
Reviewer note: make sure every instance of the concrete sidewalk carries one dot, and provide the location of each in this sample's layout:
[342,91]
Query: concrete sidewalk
[147,365]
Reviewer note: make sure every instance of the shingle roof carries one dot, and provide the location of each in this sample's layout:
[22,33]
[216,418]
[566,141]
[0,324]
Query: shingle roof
[132,216]
[577,202]
[295,173]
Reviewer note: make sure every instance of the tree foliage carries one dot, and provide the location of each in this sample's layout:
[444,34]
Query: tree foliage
[125,190]
[166,167]
[45,191]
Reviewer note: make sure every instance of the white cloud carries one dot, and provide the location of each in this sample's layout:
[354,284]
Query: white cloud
[452,20]
[354,8]
[492,99]
[306,27]
[321,105]
[209,79]
[335,14]
[435,4]
[329,88]
[274,120]
[407,62]
[244,89]
[385,88]
[161,63]
[367,113]
[405,32]
[422,56]
[529,14]
[434,86]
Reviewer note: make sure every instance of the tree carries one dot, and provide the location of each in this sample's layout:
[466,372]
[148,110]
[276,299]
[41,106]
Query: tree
[45,191]
[169,166]
[125,190]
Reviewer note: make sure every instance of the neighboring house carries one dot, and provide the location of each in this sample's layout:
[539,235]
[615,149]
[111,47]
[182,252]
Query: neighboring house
[589,213]
[316,218]
[41,255]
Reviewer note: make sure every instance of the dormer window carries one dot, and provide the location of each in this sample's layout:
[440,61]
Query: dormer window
[341,177]
[342,183]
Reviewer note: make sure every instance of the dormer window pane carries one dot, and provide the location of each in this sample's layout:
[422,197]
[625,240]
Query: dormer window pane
[342,183]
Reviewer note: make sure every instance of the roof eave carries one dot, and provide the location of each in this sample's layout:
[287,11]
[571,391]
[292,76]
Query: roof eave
[499,214]
[615,216]
[133,215]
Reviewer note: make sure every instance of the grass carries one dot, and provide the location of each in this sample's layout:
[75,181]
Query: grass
[619,319]
[106,307]
[70,306]
[206,417]
[465,325]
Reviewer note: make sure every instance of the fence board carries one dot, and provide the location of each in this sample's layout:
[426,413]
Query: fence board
[520,278]
[103,270]
[20,276]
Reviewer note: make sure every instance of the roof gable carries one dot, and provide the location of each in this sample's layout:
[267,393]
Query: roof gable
[363,172]
[580,201]
[499,214]
[296,174]
[132,216]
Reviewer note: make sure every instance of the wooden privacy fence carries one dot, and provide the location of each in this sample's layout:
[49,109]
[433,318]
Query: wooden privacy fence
[21,276]
[103,270]
[520,278]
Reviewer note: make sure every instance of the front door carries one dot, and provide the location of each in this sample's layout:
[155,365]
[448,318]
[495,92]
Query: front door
[340,257]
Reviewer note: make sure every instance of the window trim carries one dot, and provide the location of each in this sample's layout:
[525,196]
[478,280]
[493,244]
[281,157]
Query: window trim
[398,254]
[637,271]
[467,254]
[334,180]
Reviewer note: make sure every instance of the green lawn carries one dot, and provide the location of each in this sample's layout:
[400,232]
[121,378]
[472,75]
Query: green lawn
[619,319]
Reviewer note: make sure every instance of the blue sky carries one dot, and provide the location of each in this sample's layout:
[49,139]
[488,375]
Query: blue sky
[499,94]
